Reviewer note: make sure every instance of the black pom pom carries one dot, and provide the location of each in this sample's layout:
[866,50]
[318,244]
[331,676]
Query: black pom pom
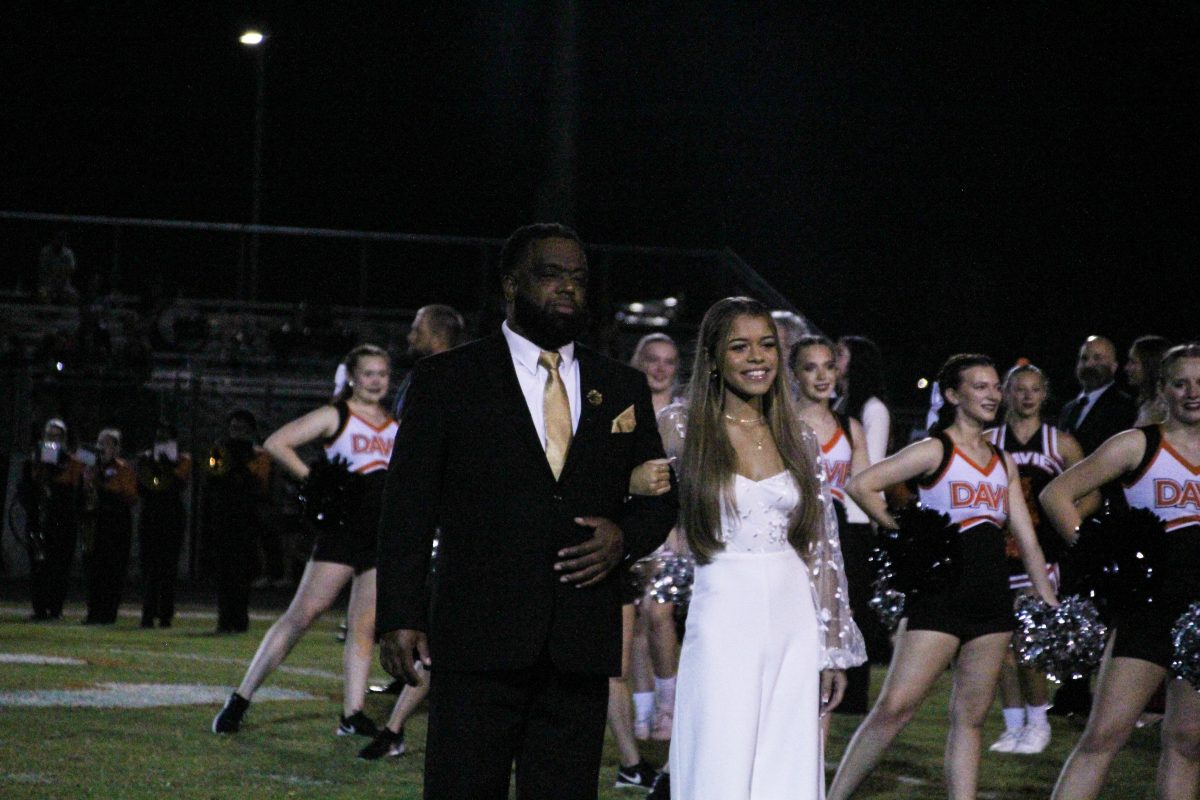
[923,555]
[1119,557]
[328,495]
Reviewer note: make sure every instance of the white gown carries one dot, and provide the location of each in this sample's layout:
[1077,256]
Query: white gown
[761,626]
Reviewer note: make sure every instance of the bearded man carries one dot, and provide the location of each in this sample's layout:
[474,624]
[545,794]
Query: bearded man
[517,449]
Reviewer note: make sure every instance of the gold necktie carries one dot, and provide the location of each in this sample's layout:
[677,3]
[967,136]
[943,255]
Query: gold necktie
[556,412]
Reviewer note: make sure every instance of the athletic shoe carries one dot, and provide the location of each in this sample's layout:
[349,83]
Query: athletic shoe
[662,787]
[385,743]
[1033,740]
[640,776]
[229,719]
[1007,742]
[357,724]
[395,687]
[660,731]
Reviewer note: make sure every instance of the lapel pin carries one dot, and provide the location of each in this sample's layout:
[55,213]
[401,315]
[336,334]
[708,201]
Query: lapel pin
[595,398]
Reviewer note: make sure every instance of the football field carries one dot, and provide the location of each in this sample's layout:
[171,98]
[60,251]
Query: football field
[122,712]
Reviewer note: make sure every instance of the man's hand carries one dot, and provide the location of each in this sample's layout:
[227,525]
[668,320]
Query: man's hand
[586,564]
[833,686]
[651,478]
[396,654]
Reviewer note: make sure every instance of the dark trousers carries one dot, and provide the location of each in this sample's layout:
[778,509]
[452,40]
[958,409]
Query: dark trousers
[858,540]
[160,538]
[549,722]
[234,572]
[108,565]
[48,579]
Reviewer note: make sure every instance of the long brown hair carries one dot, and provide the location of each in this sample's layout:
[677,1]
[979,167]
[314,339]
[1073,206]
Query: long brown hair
[709,461]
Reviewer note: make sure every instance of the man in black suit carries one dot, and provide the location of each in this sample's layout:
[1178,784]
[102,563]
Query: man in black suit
[1100,411]
[518,448]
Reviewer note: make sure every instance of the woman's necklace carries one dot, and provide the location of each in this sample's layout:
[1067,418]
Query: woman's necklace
[762,438]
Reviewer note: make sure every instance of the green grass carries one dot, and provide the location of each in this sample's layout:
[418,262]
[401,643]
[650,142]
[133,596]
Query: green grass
[287,748]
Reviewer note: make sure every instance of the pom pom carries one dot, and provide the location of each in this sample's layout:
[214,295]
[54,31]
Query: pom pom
[1063,642]
[923,555]
[328,495]
[666,577]
[1118,558]
[1185,662]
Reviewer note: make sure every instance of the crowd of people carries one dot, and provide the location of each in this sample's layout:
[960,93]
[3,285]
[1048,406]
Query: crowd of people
[524,497]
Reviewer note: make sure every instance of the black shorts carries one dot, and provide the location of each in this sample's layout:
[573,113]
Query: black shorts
[980,603]
[1146,635]
[357,544]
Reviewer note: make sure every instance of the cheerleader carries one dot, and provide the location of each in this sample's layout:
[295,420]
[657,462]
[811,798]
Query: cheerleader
[355,426]
[1158,466]
[813,363]
[1141,371]
[1041,452]
[968,625]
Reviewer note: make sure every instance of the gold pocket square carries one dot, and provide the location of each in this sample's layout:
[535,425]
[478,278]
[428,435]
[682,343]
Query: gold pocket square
[625,422]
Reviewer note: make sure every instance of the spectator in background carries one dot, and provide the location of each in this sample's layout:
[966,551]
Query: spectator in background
[238,475]
[863,396]
[1142,368]
[435,329]
[56,267]
[49,492]
[110,488]
[163,472]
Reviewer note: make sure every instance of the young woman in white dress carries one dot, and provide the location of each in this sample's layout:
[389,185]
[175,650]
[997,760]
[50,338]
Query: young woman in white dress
[769,628]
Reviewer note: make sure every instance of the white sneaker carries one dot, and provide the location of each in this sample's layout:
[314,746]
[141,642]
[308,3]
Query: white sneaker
[1007,742]
[1034,739]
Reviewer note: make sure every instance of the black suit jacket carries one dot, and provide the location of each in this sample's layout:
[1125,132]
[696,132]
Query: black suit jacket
[1114,412]
[467,462]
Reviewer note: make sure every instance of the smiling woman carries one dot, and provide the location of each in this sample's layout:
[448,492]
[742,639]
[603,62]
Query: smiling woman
[770,597]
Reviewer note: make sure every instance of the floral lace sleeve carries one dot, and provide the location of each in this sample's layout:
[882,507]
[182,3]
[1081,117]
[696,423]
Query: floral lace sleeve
[842,644]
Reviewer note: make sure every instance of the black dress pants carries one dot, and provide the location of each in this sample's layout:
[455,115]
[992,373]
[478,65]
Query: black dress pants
[549,722]
[160,538]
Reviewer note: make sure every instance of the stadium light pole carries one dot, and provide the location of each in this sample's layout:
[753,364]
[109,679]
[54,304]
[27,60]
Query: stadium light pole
[254,39]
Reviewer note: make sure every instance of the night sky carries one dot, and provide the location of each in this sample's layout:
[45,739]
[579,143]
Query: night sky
[997,177]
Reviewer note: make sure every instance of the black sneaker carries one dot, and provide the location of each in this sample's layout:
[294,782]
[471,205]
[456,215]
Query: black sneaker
[640,776]
[395,687]
[229,720]
[662,787]
[357,724]
[385,743]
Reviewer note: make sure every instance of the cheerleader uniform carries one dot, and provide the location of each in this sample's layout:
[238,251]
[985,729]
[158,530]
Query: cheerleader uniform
[975,497]
[1038,462]
[1167,484]
[367,448]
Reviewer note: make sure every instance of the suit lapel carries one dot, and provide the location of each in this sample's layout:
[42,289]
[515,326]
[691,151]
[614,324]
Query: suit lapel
[590,413]
[497,364]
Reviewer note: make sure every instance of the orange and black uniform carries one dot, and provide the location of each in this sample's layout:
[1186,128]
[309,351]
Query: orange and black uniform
[238,477]
[161,484]
[115,486]
[50,495]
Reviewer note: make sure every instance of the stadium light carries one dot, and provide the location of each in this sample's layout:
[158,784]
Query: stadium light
[251,38]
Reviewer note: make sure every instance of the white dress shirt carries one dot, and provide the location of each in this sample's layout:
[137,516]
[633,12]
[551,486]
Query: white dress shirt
[1092,397]
[532,378]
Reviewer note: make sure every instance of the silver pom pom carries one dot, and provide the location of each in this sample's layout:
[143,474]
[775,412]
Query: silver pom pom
[1185,662]
[669,578]
[1063,642]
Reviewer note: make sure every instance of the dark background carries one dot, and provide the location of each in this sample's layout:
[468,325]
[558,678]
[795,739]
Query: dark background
[997,177]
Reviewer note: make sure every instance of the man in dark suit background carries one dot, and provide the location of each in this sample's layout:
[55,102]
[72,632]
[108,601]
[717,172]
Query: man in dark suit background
[518,448]
[1101,410]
